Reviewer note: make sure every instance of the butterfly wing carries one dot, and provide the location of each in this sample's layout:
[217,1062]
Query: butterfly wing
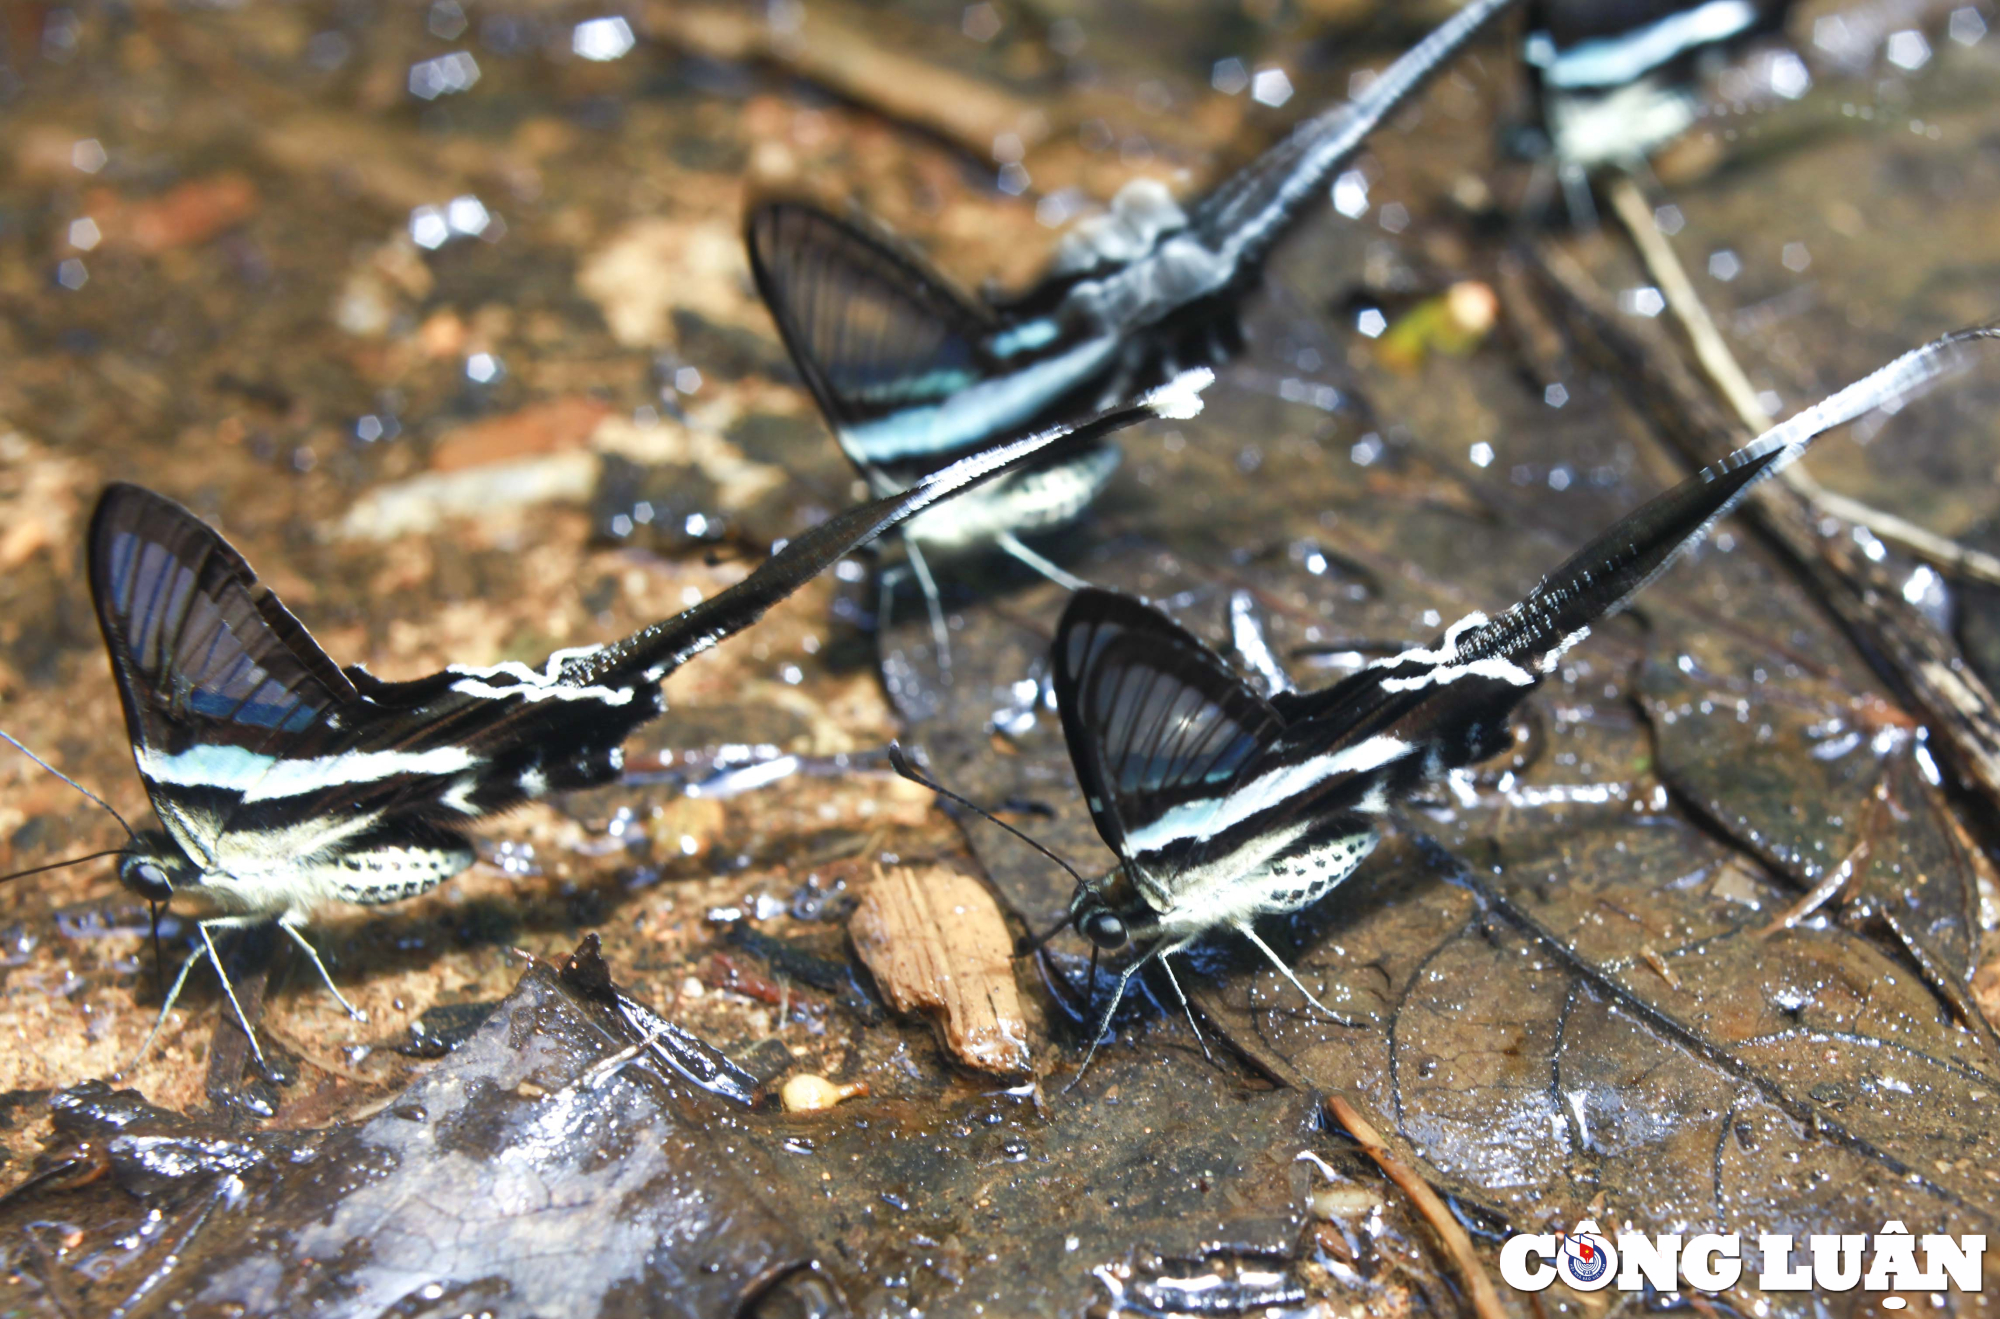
[1606,573]
[876,335]
[214,674]
[1160,732]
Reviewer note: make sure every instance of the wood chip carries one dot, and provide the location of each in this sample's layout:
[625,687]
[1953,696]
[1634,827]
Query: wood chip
[186,215]
[937,944]
[1986,990]
[556,426]
[842,57]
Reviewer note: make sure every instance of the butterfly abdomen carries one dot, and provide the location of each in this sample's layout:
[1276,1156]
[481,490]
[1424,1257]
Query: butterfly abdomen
[1039,499]
[1311,868]
[393,863]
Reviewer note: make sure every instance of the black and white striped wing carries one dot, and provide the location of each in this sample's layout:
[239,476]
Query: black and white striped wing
[1445,705]
[1602,576]
[218,681]
[881,341]
[1160,731]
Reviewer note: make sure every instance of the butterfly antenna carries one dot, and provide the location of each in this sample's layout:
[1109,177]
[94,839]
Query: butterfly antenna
[1090,990]
[901,764]
[1040,941]
[129,830]
[58,865]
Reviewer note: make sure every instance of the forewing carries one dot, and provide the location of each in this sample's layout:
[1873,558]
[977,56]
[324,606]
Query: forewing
[1159,731]
[872,331]
[201,650]
[215,676]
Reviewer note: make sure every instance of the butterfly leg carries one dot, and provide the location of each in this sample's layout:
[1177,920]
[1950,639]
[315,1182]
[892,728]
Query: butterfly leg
[1244,928]
[286,924]
[1186,1007]
[1117,997]
[242,1018]
[1576,195]
[173,996]
[1011,543]
[940,635]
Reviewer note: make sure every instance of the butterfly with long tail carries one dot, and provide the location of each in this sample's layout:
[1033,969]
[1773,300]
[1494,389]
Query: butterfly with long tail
[911,373]
[1224,804]
[1614,80]
[283,781]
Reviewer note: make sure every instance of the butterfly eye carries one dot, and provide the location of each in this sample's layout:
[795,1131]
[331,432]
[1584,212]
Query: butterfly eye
[146,877]
[1104,929]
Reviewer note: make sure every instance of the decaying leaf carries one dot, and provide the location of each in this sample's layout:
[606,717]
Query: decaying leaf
[1802,774]
[552,1164]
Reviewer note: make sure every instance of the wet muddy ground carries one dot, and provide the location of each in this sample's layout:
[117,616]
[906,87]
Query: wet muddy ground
[447,325]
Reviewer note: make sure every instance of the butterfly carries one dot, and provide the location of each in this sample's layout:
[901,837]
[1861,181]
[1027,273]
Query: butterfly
[1614,81]
[1224,803]
[911,373]
[283,781]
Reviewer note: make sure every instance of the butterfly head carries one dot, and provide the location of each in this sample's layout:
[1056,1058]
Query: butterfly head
[154,868]
[1108,913]
[1099,924]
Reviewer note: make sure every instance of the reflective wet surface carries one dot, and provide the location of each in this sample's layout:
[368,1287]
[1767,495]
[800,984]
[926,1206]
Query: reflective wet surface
[440,313]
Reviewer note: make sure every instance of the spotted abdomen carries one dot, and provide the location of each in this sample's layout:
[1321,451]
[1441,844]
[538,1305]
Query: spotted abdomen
[1310,869]
[371,876]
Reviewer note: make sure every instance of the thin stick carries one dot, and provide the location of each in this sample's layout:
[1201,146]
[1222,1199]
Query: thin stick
[1478,1287]
[1665,267]
[1726,374]
[1821,893]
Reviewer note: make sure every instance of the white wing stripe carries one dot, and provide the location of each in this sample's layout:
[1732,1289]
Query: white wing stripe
[1208,818]
[265,778]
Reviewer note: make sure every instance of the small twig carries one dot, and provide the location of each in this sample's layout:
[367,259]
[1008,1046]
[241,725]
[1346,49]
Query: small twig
[1941,552]
[1665,267]
[1726,374]
[1457,1244]
[605,1068]
[849,56]
[1820,894]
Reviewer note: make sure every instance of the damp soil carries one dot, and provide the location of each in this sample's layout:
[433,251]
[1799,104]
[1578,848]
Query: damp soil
[448,328]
